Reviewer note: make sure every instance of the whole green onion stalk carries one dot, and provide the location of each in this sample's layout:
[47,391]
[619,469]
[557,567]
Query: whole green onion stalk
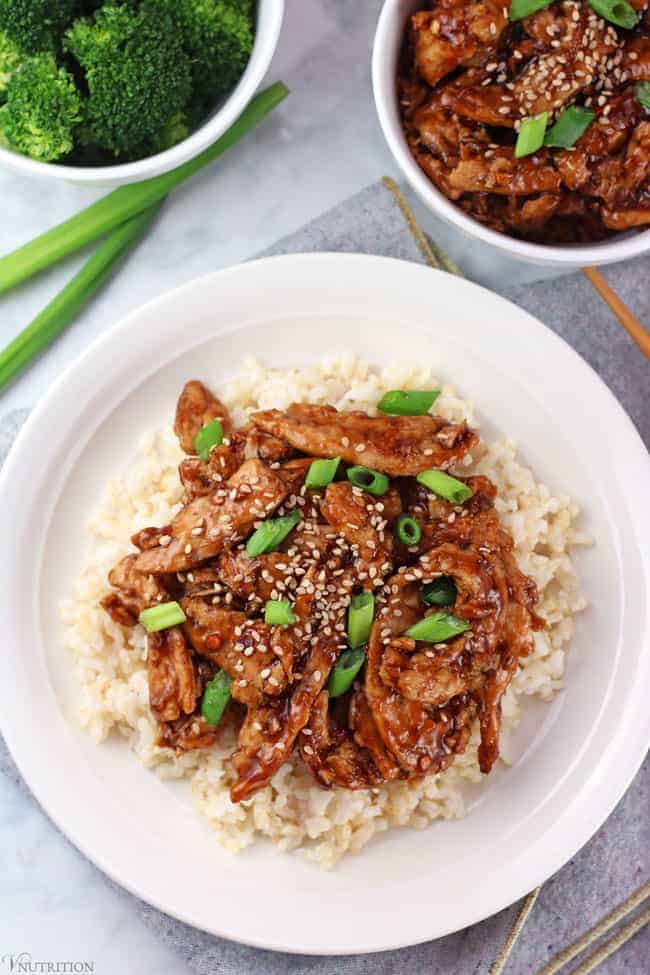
[127,201]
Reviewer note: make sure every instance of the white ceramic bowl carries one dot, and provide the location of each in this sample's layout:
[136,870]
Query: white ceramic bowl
[572,759]
[387,45]
[269,22]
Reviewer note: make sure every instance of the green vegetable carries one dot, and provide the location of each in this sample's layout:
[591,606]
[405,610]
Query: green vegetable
[176,129]
[371,481]
[218,36]
[445,486]
[42,110]
[345,670]
[64,307]
[10,59]
[137,73]
[571,125]
[122,204]
[321,473]
[36,25]
[531,135]
[361,612]
[216,697]
[278,612]
[643,94]
[162,616]
[437,627]
[414,402]
[618,12]
[408,530]
[208,437]
[271,534]
[524,8]
[440,592]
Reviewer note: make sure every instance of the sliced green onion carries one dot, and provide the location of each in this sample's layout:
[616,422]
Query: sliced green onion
[208,437]
[278,612]
[617,12]
[162,616]
[531,135]
[408,530]
[216,697]
[437,627]
[571,125]
[643,94]
[346,669]
[440,592]
[446,486]
[271,533]
[524,8]
[360,616]
[371,481]
[412,402]
[321,473]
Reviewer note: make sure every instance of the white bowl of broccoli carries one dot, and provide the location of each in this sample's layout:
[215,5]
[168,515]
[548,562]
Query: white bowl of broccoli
[115,91]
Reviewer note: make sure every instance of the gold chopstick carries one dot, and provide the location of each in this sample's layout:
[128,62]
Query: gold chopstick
[630,322]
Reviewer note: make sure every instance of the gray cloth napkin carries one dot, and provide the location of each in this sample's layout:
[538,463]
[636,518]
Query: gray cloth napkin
[617,860]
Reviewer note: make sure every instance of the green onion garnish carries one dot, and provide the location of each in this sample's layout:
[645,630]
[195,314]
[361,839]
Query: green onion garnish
[371,481]
[446,486]
[412,402]
[571,125]
[524,8]
[271,533]
[346,669]
[440,592]
[643,94]
[208,437]
[278,612]
[321,473]
[437,627]
[360,616]
[216,697]
[531,135]
[162,616]
[408,530]
[617,12]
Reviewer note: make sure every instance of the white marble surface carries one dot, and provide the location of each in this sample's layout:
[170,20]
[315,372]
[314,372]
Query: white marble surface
[323,145]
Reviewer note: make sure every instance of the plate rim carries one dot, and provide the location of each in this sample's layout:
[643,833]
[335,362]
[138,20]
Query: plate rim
[14,459]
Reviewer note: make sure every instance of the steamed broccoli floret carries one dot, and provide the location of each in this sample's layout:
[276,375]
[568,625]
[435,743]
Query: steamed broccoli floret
[36,25]
[10,59]
[218,36]
[177,129]
[137,74]
[42,110]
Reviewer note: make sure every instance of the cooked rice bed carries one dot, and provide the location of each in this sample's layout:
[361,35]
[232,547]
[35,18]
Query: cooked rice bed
[293,811]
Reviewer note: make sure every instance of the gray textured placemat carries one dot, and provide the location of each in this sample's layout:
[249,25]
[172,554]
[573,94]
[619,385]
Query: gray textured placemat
[617,859]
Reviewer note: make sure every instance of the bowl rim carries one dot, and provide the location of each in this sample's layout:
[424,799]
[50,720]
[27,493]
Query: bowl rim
[385,46]
[264,47]
[312,273]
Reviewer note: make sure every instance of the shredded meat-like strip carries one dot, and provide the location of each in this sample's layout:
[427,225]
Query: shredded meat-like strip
[396,445]
[413,704]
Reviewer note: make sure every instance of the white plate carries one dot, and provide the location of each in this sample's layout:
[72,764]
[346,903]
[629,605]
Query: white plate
[576,757]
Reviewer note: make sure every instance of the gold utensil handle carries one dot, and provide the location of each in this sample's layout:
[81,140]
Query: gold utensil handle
[630,322]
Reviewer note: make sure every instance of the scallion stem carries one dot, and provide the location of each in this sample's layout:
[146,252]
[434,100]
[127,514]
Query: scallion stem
[64,307]
[127,201]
